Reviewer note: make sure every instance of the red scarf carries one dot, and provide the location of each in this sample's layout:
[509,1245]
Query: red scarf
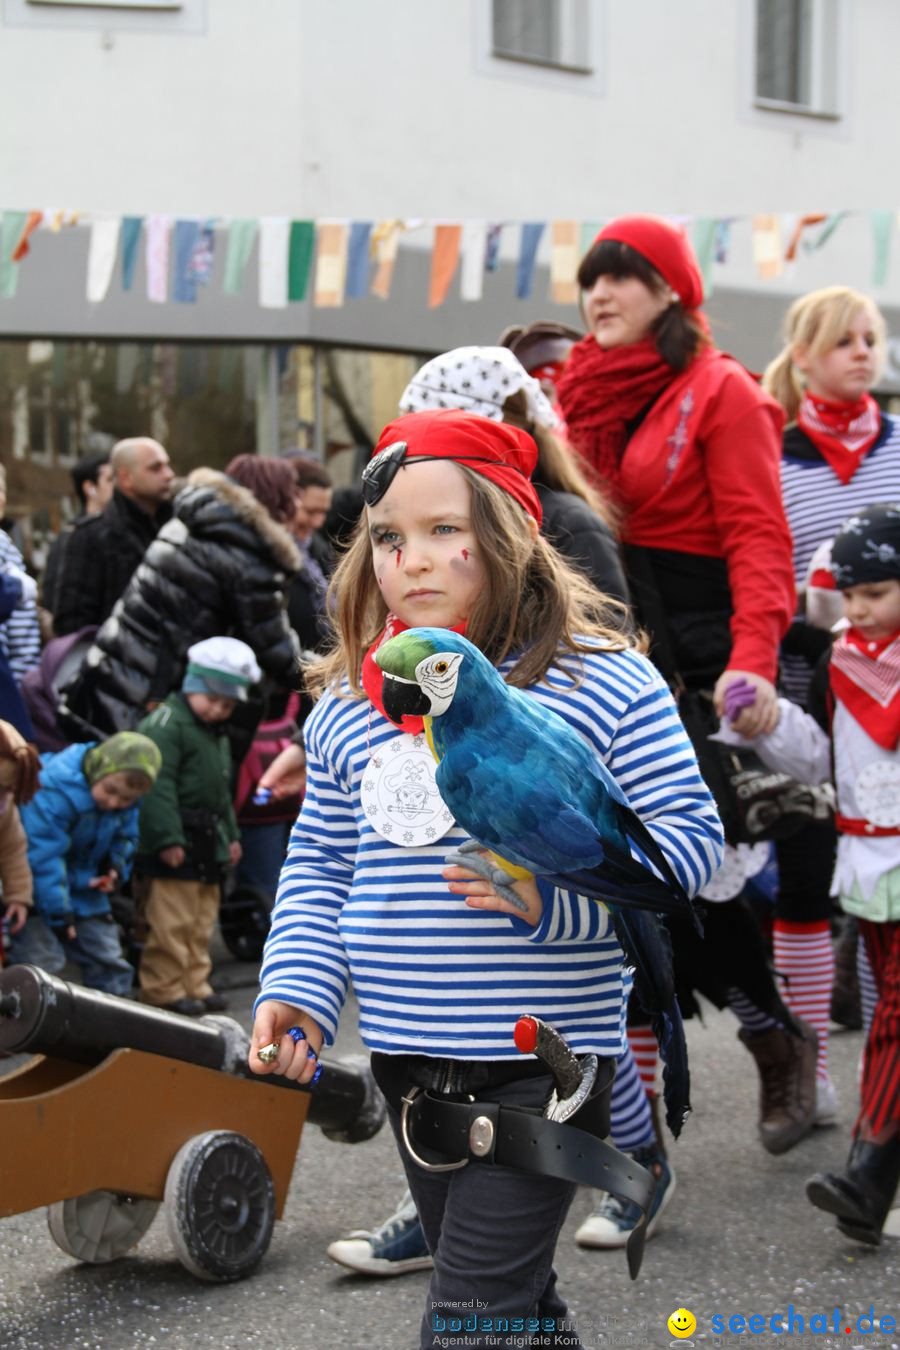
[865,677]
[602,390]
[843,433]
[373,675]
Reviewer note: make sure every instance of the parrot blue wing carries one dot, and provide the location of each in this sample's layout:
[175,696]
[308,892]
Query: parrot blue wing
[647,947]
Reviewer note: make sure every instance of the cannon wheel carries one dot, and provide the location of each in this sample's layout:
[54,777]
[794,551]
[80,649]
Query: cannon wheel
[220,1205]
[101,1225]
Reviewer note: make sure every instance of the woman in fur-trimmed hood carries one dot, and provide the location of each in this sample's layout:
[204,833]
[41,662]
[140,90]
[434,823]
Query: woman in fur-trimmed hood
[219,566]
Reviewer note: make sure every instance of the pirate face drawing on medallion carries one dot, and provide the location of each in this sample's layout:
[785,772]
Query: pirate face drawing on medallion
[413,789]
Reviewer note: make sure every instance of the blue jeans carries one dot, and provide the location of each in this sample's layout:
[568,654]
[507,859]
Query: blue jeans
[264,848]
[492,1233]
[95,949]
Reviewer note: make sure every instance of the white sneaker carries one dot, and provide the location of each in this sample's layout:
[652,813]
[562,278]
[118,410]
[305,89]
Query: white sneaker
[826,1102]
[396,1248]
[611,1223]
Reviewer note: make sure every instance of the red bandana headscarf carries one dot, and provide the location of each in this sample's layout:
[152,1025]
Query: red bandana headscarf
[843,433]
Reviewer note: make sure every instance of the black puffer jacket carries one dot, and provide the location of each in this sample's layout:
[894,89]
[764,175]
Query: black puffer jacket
[218,567]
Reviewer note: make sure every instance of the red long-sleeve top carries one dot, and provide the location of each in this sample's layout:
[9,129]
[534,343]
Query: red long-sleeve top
[701,475]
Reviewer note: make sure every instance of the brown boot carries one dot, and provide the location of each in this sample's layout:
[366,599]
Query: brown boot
[787,1084]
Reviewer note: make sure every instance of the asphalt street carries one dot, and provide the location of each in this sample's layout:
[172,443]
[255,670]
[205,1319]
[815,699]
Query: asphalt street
[739,1240]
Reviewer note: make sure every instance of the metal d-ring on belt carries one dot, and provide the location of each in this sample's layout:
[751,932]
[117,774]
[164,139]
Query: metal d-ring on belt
[510,1136]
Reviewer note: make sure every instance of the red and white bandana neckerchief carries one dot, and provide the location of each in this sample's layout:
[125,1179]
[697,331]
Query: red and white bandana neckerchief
[843,433]
[373,676]
[865,678]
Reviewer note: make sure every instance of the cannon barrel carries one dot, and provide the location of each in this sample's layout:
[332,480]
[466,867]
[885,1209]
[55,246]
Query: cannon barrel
[43,1015]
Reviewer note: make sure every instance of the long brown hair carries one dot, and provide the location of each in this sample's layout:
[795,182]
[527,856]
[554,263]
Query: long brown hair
[533,603]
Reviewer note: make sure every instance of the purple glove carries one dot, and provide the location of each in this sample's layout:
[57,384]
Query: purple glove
[739,695]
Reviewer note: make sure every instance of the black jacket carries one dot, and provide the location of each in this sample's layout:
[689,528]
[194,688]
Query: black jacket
[100,556]
[217,567]
[584,540]
[305,608]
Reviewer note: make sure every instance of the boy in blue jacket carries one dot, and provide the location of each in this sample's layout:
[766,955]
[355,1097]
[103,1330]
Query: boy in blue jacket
[82,831]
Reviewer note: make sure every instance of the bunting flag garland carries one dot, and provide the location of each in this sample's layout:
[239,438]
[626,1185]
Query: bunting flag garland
[528,247]
[34,220]
[474,259]
[564,258]
[300,250]
[102,256]
[331,264]
[444,257]
[131,235]
[274,241]
[12,224]
[241,238]
[184,285]
[157,254]
[352,259]
[385,241]
[767,247]
[358,259]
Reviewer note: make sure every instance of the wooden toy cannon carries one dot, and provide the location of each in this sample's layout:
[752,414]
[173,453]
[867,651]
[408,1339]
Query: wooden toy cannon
[125,1106]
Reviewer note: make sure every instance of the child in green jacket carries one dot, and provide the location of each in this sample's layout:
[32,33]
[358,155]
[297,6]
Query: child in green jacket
[188,830]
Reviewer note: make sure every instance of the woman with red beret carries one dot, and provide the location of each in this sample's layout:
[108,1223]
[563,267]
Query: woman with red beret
[690,446]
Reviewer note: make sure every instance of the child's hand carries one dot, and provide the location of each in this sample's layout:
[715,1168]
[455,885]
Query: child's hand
[173,856]
[756,718]
[16,915]
[480,894]
[286,775]
[297,1058]
[234,852]
[106,882]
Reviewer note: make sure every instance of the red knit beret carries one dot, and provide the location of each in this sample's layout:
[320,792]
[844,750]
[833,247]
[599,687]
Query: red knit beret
[666,247]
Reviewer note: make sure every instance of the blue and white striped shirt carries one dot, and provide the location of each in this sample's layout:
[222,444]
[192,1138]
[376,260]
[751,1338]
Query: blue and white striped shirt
[433,976]
[20,635]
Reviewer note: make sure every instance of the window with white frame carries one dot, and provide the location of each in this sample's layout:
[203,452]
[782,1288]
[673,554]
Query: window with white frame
[797,56]
[552,33]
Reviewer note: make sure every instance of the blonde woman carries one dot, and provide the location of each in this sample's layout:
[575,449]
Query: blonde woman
[841,453]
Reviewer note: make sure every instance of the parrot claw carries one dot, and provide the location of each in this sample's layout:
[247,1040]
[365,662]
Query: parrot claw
[471,856]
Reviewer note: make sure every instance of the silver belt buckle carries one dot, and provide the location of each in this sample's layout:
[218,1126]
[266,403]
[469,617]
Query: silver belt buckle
[408,1100]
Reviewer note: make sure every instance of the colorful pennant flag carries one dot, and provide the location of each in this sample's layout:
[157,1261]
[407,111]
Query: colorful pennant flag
[705,235]
[473,248]
[444,257]
[274,239]
[102,256]
[241,238]
[358,259]
[528,246]
[300,250]
[767,247]
[157,253]
[331,264]
[492,246]
[385,241]
[131,234]
[201,263]
[184,286]
[882,232]
[564,262]
[11,226]
[31,224]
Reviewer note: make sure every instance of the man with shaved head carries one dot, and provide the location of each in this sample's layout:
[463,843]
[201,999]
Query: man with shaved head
[104,550]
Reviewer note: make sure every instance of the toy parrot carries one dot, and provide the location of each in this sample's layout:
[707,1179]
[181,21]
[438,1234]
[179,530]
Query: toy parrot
[532,793]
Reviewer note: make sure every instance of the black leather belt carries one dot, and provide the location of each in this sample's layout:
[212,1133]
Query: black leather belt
[508,1136]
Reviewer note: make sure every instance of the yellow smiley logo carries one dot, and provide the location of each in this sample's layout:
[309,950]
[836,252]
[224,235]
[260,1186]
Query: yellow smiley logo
[682,1323]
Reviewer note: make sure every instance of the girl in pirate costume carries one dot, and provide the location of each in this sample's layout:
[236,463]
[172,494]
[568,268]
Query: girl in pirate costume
[442,965]
[852,734]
